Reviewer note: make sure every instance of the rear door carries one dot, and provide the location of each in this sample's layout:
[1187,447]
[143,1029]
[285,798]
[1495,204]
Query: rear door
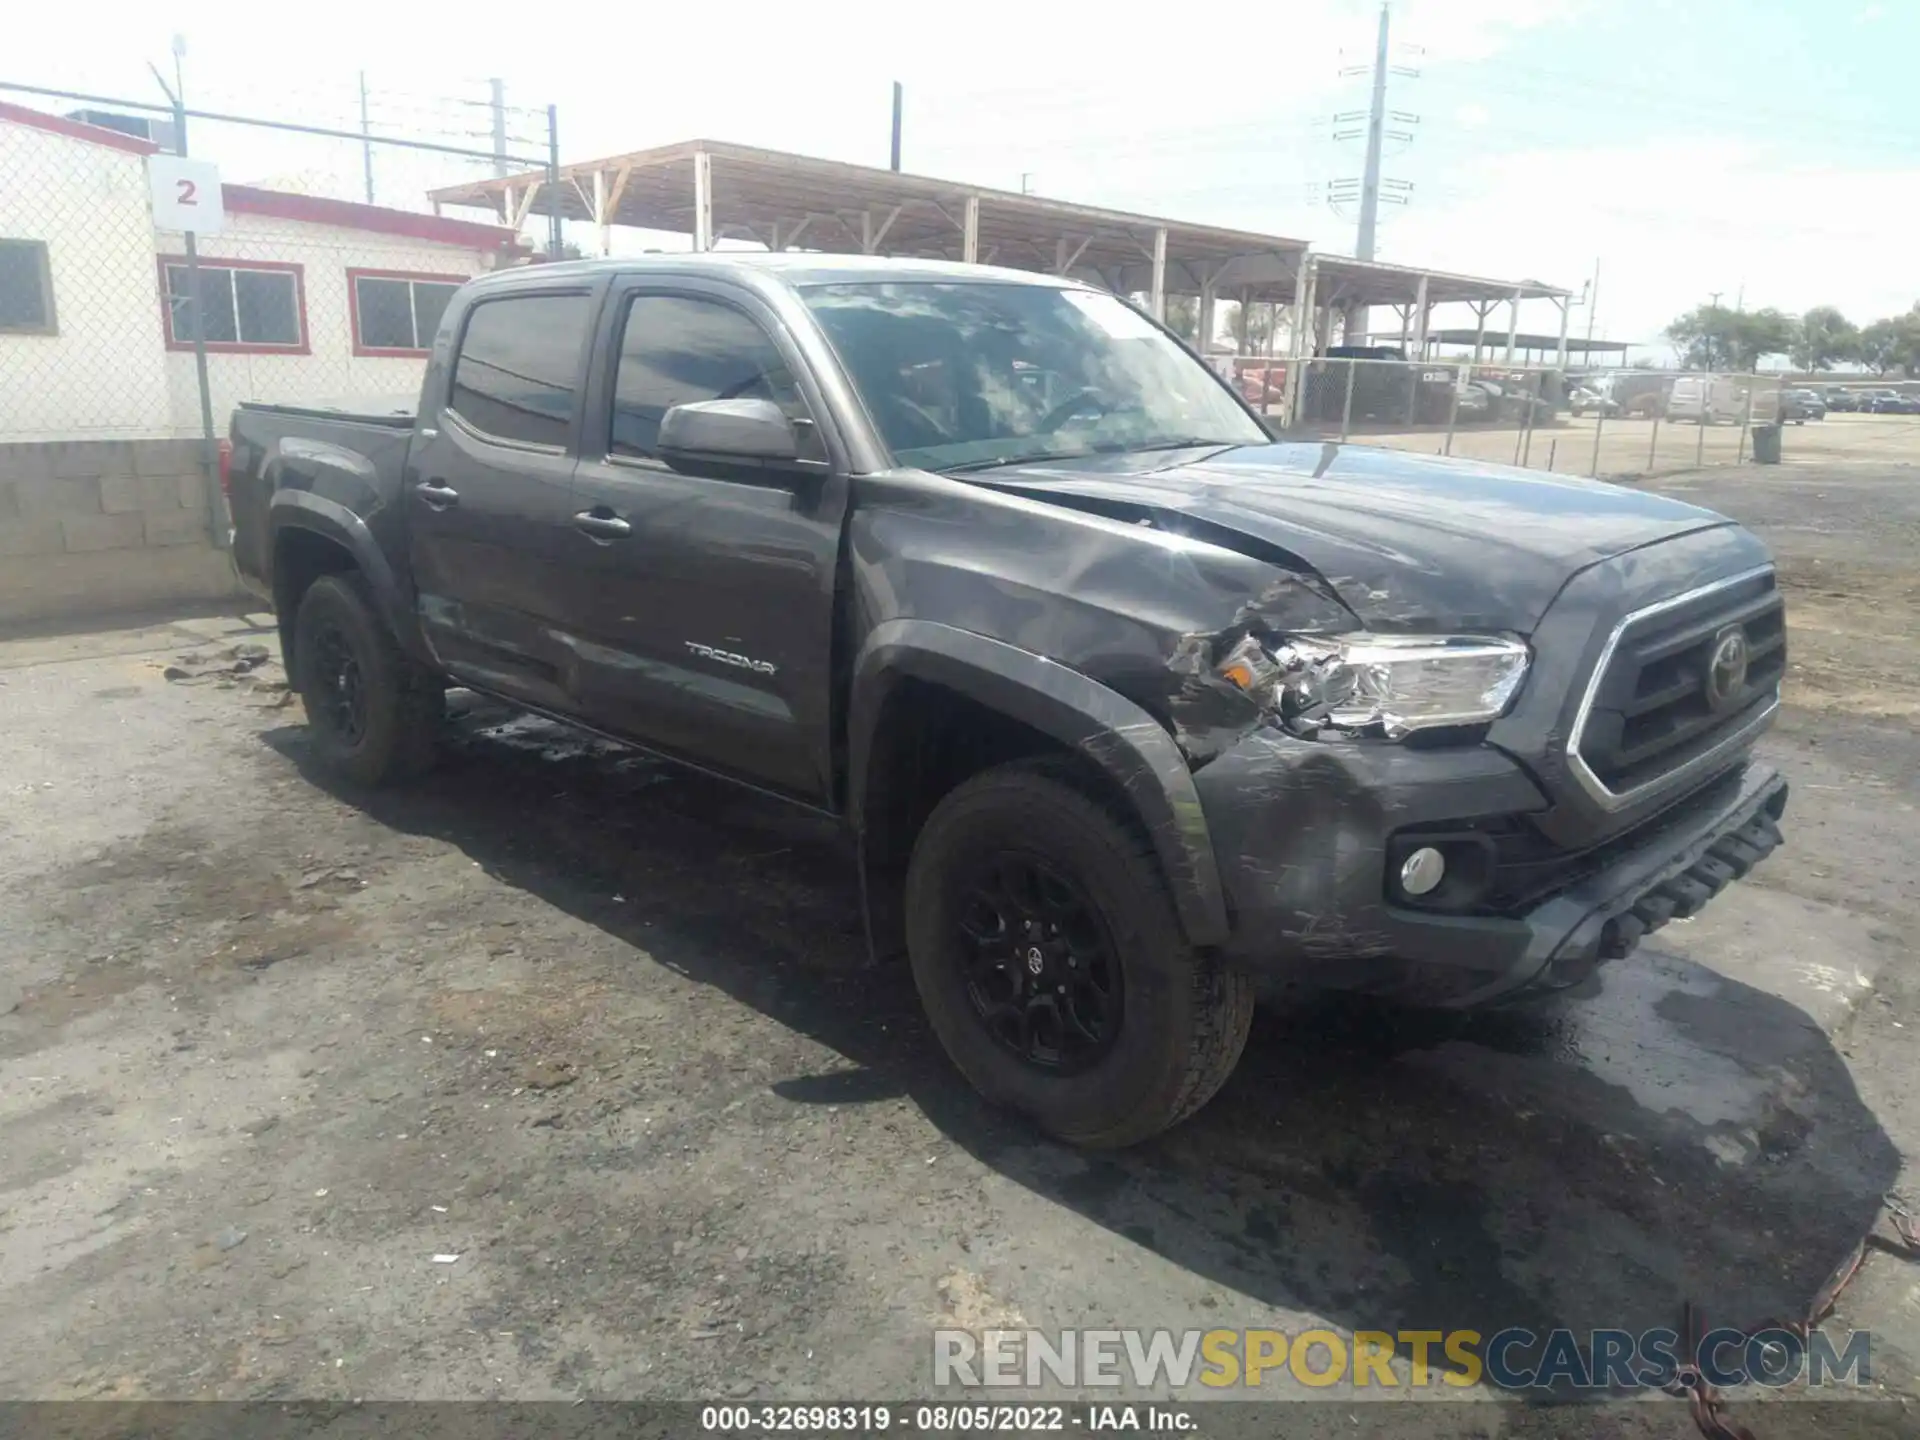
[489,490]
[703,603]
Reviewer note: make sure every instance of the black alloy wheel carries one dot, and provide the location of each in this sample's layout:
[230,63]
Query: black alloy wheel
[1039,966]
[373,714]
[338,693]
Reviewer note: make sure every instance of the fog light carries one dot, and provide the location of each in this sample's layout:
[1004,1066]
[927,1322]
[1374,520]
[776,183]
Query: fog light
[1422,870]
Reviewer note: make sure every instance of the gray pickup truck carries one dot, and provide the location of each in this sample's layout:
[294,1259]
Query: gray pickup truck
[1130,710]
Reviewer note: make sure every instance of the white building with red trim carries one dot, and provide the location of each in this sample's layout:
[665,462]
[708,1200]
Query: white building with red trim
[306,298]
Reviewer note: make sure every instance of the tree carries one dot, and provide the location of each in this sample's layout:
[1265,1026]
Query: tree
[1712,337]
[1879,345]
[1183,317]
[1704,337]
[1251,326]
[1824,336]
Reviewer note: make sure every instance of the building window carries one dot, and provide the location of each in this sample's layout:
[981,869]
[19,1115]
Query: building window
[26,289]
[397,313]
[252,308]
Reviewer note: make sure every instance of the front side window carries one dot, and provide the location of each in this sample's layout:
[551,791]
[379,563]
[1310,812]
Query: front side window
[976,373]
[675,349]
[397,314]
[26,288]
[245,307]
[519,367]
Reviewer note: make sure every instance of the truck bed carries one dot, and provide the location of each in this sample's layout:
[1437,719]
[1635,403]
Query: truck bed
[345,455]
[395,411]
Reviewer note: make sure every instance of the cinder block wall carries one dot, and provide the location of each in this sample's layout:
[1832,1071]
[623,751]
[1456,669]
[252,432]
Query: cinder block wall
[89,527]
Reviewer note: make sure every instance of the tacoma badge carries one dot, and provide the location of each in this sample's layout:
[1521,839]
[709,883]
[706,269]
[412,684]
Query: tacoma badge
[727,657]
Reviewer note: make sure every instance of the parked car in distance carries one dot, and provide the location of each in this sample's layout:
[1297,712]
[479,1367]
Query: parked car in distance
[1639,393]
[1586,401]
[1800,406]
[1708,400]
[1126,710]
[1841,400]
[1891,402]
[1262,384]
[1474,403]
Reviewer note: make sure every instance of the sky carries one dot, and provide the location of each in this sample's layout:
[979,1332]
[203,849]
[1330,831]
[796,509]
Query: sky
[1761,150]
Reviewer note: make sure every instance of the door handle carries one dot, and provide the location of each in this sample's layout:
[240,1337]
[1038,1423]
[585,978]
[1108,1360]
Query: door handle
[602,526]
[437,493]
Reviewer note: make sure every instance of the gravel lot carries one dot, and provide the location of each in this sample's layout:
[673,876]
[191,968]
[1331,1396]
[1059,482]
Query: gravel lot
[605,1033]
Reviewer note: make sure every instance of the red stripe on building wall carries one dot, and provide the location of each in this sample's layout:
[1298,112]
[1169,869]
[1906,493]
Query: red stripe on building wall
[351,215]
[76,129]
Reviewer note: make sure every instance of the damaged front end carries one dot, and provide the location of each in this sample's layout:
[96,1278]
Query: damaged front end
[1341,684]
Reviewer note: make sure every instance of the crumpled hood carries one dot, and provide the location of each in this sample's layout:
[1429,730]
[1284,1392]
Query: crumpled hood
[1406,542]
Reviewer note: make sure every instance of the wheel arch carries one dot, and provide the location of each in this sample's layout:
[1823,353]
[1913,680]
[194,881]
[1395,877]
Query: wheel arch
[1021,702]
[314,536]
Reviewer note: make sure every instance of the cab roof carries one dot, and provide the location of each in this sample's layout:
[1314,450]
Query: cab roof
[794,268]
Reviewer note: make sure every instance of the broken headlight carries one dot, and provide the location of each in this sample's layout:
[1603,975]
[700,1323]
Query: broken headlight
[1386,685]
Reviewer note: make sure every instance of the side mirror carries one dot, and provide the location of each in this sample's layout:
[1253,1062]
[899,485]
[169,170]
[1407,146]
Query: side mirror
[742,431]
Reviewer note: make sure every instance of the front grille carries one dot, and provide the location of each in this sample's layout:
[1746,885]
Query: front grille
[1657,704]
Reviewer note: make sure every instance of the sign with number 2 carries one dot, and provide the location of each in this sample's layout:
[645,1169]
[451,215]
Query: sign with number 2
[185,194]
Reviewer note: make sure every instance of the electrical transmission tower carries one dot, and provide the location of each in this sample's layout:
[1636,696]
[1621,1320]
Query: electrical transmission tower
[1372,189]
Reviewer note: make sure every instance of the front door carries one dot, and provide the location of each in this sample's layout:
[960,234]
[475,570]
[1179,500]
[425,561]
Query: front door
[704,606]
[490,494]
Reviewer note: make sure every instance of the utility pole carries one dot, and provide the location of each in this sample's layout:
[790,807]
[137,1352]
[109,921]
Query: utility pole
[556,242]
[899,100]
[1376,128]
[499,105]
[1593,299]
[209,446]
[366,146]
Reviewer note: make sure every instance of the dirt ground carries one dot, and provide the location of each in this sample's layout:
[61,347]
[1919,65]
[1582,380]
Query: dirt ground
[561,1074]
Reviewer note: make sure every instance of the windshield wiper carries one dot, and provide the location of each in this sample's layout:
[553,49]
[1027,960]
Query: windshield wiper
[1184,442]
[1108,447]
[1038,457]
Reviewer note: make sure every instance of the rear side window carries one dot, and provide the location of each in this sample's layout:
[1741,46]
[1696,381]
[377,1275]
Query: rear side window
[519,366]
[675,349]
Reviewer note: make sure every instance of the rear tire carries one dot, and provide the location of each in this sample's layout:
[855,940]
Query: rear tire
[1152,1049]
[372,714]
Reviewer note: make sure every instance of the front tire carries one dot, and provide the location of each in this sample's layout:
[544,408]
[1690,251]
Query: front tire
[372,714]
[1051,963]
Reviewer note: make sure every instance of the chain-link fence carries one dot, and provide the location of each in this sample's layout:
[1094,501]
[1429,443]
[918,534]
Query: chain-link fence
[1620,423]
[118,374]
[80,349]
[308,293]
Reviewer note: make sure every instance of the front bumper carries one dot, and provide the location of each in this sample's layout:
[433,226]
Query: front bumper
[1302,831]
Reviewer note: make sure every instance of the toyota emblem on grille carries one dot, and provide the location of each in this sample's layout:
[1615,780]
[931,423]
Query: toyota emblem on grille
[1726,677]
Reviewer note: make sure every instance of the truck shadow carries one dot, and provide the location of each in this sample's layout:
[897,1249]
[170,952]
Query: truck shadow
[1676,1136]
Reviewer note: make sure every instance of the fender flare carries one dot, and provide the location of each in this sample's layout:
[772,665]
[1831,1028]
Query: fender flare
[1128,745]
[303,510]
